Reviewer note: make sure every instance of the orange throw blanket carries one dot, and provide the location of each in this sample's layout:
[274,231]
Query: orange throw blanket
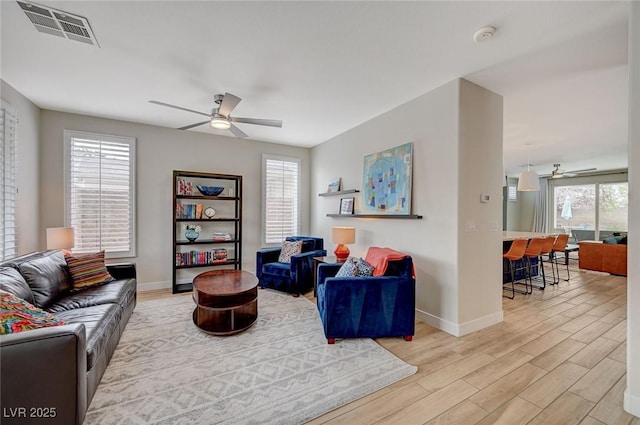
[379,258]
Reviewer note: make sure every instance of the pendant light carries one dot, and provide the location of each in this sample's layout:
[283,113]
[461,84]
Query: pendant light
[528,181]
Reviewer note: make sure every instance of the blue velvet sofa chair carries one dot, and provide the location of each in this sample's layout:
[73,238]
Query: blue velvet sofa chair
[368,307]
[295,278]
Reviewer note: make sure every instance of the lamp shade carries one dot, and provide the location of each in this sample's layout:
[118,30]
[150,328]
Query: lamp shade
[60,237]
[528,182]
[344,235]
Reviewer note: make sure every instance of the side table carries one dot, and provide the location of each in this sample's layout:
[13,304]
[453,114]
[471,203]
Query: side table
[329,259]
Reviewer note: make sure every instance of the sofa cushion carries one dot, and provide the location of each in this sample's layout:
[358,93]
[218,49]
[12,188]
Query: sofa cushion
[364,269]
[101,321]
[348,269]
[46,276]
[289,249]
[88,270]
[117,292]
[17,315]
[12,281]
[277,269]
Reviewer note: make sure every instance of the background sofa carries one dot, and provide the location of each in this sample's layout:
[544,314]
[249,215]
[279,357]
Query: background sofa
[603,257]
[61,366]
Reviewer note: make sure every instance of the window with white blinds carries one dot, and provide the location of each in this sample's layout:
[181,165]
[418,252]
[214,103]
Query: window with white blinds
[8,129]
[100,198]
[281,177]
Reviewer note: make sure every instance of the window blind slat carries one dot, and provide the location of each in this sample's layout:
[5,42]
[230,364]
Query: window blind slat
[8,142]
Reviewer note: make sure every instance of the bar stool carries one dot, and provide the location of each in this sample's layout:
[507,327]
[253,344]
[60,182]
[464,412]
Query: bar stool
[515,253]
[559,246]
[533,251]
[547,249]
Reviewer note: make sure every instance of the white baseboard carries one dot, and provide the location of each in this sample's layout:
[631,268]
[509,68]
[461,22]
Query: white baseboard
[461,329]
[631,403]
[152,286]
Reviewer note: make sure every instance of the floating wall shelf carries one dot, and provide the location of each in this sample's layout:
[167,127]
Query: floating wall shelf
[340,192]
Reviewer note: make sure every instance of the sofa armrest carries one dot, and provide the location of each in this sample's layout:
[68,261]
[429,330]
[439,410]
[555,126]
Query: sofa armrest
[44,375]
[122,271]
[265,256]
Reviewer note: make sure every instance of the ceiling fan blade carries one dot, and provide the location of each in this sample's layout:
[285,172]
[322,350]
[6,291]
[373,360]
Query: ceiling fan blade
[257,121]
[187,127]
[229,102]
[178,107]
[237,132]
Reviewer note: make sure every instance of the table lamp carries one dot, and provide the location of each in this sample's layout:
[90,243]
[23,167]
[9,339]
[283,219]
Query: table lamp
[342,236]
[60,238]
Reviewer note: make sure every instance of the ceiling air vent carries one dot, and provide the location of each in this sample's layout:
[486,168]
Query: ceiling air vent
[57,22]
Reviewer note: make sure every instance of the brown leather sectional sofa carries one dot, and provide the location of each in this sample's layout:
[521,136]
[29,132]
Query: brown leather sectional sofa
[56,370]
[603,257]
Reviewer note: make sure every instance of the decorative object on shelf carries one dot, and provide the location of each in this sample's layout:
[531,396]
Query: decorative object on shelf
[221,236]
[386,183]
[192,233]
[346,205]
[343,236]
[220,255]
[184,187]
[209,212]
[334,185]
[210,190]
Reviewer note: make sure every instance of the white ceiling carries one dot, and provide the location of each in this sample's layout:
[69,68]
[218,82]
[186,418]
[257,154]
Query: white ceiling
[325,67]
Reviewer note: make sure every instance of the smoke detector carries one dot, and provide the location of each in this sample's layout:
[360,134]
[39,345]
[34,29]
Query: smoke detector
[484,34]
[57,22]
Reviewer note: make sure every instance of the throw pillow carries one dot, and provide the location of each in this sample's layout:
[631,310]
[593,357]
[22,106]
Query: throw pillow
[348,269]
[17,315]
[364,269]
[88,270]
[289,249]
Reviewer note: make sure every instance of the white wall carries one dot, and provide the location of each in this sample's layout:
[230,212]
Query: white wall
[439,128]
[28,228]
[159,151]
[632,393]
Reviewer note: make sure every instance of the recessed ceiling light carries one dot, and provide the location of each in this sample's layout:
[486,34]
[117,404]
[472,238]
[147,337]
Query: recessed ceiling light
[484,34]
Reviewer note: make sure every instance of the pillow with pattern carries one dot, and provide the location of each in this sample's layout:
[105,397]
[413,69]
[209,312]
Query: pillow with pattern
[17,315]
[364,269]
[348,269]
[88,270]
[289,249]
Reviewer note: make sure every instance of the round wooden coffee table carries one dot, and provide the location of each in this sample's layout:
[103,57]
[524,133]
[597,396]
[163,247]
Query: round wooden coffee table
[226,301]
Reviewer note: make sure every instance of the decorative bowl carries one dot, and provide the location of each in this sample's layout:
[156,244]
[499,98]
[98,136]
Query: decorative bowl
[210,190]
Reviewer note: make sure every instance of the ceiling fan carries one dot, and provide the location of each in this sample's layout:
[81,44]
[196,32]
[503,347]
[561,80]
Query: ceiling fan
[558,173]
[220,116]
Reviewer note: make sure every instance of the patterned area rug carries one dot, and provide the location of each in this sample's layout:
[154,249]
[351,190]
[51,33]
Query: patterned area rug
[279,371]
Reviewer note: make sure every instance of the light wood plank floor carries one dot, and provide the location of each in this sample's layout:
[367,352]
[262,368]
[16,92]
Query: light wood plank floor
[558,358]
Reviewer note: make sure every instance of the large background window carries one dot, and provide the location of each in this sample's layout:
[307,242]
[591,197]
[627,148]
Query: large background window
[601,207]
[280,176]
[99,183]
[8,125]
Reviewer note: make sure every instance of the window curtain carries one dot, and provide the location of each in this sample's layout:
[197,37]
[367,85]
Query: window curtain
[540,209]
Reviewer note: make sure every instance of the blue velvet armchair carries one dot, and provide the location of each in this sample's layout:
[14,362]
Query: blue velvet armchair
[295,278]
[367,307]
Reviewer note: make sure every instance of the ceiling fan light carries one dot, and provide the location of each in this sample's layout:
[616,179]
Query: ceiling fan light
[528,182]
[220,123]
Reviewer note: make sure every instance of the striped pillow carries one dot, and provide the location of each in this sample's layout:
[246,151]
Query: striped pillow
[88,270]
[17,315]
